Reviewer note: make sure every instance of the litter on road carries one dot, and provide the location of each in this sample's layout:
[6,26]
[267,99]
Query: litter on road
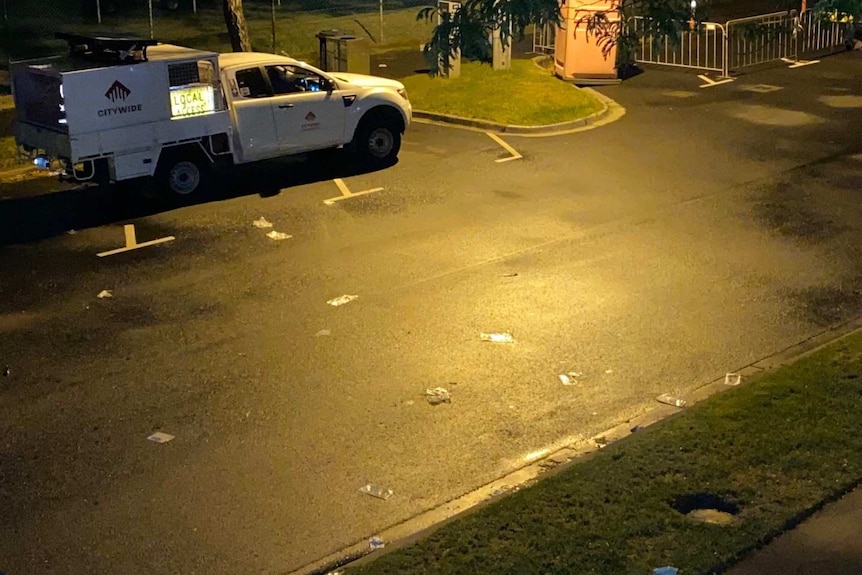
[665,571]
[510,275]
[341,300]
[671,400]
[376,543]
[323,332]
[105,293]
[274,235]
[377,491]
[438,395]
[570,378]
[732,379]
[159,437]
[7,371]
[608,371]
[502,337]
[262,223]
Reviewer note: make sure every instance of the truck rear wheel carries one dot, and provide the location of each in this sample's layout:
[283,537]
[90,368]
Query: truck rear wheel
[378,141]
[183,173]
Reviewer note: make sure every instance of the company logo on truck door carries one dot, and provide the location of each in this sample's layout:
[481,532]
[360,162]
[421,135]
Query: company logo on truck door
[118,91]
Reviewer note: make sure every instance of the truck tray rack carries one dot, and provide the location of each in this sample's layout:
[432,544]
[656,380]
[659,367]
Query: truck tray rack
[117,49]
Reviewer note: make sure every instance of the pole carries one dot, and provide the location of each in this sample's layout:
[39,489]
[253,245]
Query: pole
[195,6]
[381,21]
[272,5]
[151,19]
[98,12]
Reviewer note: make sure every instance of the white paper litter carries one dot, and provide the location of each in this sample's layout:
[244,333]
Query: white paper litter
[671,400]
[323,332]
[274,235]
[341,300]
[262,223]
[105,293]
[377,491]
[438,395]
[732,379]
[502,337]
[570,378]
[376,543]
[159,437]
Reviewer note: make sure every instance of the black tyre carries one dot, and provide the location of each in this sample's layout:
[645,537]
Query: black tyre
[377,141]
[183,172]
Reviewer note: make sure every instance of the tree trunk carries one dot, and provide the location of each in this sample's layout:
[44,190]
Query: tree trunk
[237,29]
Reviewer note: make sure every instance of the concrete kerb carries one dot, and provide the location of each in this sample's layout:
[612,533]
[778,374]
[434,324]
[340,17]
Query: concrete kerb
[562,454]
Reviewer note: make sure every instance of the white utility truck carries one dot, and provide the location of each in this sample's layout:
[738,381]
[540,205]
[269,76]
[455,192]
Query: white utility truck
[118,109]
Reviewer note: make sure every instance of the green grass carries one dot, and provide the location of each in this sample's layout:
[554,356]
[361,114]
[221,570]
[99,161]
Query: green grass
[524,95]
[32,35]
[776,446]
[8,152]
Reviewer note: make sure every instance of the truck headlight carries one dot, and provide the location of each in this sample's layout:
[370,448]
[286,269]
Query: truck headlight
[403,93]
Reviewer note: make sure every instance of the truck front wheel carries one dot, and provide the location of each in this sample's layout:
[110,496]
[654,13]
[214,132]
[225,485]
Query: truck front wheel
[378,142]
[183,173]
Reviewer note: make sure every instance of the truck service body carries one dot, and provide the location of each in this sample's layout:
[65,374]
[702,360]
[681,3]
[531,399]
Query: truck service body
[121,109]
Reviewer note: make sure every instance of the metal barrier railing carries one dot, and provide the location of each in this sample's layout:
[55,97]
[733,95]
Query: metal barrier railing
[761,39]
[740,43]
[702,49]
[817,37]
[544,37]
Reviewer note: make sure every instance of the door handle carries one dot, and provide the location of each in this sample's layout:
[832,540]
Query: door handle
[283,106]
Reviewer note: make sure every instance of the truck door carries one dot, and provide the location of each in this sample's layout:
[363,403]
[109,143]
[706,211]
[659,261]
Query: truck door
[309,112]
[252,103]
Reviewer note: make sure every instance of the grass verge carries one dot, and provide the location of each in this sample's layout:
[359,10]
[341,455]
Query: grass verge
[524,95]
[776,447]
[8,153]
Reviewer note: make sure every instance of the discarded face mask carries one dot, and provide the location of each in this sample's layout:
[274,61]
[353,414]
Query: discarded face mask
[503,337]
[732,379]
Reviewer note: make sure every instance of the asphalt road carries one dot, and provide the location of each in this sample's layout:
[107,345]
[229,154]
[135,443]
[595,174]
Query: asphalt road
[706,229]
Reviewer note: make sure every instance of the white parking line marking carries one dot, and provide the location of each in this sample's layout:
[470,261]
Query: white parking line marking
[710,82]
[799,63]
[346,193]
[515,155]
[132,242]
